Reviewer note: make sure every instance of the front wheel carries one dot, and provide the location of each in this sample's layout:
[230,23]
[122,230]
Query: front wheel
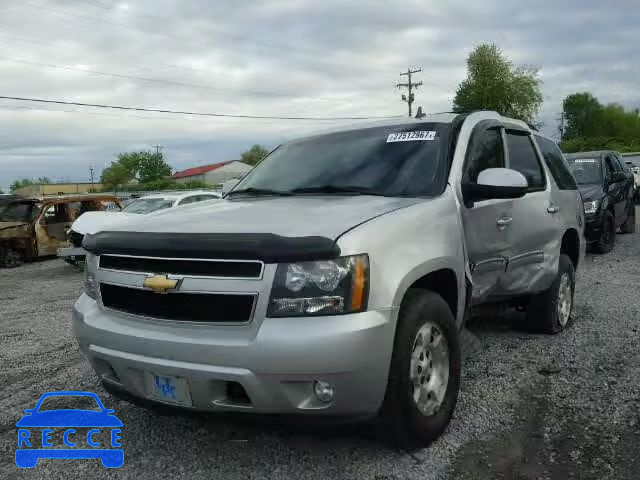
[424,376]
[10,258]
[550,311]
[607,238]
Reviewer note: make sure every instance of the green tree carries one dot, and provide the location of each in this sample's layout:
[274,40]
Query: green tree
[581,113]
[593,126]
[144,166]
[27,182]
[152,167]
[254,154]
[494,83]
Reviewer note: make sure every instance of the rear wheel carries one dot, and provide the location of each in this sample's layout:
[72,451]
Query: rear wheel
[550,311]
[607,239]
[630,225]
[10,258]
[424,376]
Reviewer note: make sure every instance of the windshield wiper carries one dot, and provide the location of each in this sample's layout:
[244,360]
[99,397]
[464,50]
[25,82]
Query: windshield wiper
[347,189]
[260,191]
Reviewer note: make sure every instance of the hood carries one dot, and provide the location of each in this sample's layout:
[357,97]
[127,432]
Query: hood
[298,216]
[7,225]
[92,222]
[591,192]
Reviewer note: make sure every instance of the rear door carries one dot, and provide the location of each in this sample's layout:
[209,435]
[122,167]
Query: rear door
[486,223]
[616,189]
[536,229]
[51,228]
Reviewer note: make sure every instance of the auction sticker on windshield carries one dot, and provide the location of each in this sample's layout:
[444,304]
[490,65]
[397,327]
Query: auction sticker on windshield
[411,136]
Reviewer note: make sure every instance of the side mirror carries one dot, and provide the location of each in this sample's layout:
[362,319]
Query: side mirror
[228,185]
[495,183]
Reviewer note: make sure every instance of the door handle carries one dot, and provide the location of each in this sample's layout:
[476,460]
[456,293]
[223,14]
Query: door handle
[553,209]
[502,222]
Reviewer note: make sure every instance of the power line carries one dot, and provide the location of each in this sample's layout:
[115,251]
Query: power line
[154,117]
[410,86]
[166,82]
[184,112]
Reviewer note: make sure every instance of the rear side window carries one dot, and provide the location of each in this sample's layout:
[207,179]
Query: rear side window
[488,152]
[523,158]
[556,164]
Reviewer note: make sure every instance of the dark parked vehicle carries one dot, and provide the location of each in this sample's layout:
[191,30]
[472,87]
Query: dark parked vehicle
[632,160]
[607,188]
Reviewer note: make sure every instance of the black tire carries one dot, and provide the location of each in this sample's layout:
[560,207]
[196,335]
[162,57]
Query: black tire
[630,225]
[542,310]
[404,424]
[607,239]
[10,258]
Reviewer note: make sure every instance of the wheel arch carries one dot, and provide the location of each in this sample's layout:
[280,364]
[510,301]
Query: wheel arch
[570,246]
[439,277]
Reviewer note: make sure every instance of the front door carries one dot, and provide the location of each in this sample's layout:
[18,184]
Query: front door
[487,224]
[51,228]
[536,221]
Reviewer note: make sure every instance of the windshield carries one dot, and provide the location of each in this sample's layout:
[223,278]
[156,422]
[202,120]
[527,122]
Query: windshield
[586,170]
[148,205]
[19,212]
[396,160]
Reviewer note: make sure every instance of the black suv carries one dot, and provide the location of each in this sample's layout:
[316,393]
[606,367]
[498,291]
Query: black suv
[607,191]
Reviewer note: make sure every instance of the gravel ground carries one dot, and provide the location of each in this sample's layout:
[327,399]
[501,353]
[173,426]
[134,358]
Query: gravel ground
[531,407]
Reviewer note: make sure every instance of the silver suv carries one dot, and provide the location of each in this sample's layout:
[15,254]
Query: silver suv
[335,277]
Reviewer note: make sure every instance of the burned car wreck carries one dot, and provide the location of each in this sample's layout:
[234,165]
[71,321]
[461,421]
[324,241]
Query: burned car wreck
[37,227]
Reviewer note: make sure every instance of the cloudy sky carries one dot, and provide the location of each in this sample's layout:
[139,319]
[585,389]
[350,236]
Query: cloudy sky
[325,58]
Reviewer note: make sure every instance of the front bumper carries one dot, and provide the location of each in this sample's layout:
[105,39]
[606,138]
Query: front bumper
[593,227]
[276,364]
[72,252]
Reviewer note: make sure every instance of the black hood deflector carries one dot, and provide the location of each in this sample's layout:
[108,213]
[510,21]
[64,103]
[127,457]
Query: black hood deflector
[268,247]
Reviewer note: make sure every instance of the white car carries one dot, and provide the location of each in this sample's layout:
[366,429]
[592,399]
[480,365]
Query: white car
[92,222]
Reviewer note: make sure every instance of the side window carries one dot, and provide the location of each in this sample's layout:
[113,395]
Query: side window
[523,158]
[56,213]
[207,197]
[556,164]
[609,166]
[618,163]
[488,152]
[188,200]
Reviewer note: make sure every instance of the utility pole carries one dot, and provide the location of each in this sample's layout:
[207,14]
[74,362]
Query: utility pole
[158,148]
[91,170]
[561,127]
[410,86]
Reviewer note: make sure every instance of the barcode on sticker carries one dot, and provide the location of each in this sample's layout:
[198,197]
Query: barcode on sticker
[411,136]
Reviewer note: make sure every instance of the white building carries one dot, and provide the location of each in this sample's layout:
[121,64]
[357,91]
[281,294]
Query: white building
[213,174]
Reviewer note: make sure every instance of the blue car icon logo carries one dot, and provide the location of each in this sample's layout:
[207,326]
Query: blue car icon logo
[84,433]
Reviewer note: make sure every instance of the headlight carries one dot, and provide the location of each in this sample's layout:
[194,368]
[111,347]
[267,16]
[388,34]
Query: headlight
[327,287]
[591,207]
[90,272]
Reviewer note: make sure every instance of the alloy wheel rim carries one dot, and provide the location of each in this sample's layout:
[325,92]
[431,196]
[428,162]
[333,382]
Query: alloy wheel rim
[429,370]
[565,299]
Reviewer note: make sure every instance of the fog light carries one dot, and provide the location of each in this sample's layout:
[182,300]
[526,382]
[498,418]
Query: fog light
[323,391]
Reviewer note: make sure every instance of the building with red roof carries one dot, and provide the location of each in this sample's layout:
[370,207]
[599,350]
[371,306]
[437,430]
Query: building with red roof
[214,173]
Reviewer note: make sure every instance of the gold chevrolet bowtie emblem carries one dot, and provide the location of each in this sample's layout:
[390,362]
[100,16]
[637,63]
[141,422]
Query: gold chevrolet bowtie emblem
[160,283]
